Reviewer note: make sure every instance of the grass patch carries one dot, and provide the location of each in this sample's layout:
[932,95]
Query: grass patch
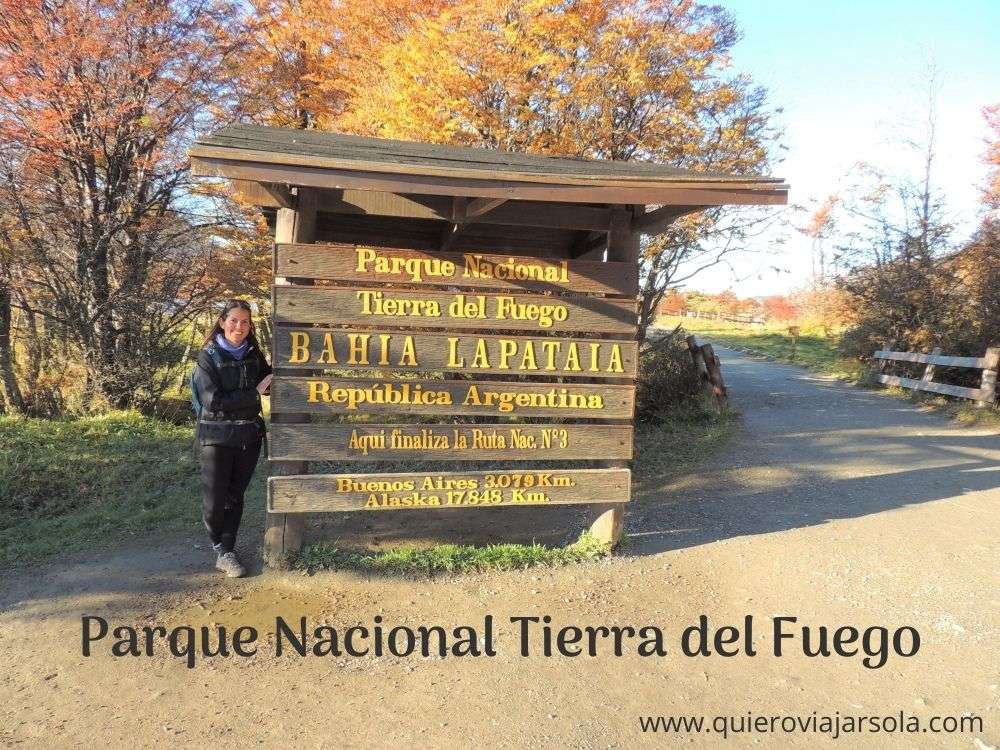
[680,442]
[450,558]
[73,484]
[814,350]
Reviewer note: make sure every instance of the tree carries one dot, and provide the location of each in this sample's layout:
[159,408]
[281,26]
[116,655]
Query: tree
[780,308]
[99,235]
[992,191]
[625,80]
[305,63]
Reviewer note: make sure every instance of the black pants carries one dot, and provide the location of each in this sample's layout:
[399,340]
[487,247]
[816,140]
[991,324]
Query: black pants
[225,475]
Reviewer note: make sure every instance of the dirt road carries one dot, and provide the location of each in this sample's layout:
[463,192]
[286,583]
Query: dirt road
[833,505]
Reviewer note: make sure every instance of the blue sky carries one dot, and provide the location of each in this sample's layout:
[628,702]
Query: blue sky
[852,78]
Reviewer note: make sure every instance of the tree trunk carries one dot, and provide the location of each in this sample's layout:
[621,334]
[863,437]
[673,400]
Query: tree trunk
[10,386]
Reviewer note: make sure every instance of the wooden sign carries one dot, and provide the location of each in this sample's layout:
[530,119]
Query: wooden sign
[480,489]
[476,270]
[448,442]
[447,397]
[456,311]
[429,352]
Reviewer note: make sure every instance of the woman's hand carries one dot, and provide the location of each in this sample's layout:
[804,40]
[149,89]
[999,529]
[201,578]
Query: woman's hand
[264,385]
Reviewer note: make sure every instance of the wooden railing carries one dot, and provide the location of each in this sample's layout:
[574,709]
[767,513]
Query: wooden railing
[984,395]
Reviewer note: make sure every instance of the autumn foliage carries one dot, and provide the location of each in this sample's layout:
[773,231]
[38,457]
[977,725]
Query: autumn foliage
[101,255]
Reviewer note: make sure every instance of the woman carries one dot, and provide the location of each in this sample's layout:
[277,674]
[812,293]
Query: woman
[229,379]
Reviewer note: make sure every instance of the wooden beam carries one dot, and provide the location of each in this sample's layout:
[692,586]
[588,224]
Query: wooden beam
[656,221]
[481,206]
[264,194]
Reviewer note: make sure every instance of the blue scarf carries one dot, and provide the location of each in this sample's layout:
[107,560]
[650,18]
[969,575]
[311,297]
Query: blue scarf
[238,352]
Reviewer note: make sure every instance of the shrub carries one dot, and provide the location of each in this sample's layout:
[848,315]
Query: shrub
[668,381]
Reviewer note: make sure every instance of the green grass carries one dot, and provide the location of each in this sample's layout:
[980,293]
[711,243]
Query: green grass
[77,484]
[451,558]
[814,350]
[676,446]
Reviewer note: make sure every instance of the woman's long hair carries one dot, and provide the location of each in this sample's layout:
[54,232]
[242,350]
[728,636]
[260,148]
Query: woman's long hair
[231,305]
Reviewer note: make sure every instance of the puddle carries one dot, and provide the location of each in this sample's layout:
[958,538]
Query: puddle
[255,607]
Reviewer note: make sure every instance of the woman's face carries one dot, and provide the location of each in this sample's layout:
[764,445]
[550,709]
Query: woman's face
[236,326]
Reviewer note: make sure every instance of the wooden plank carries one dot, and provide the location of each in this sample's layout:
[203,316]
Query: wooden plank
[942,388]
[928,376]
[448,397]
[314,348]
[453,442]
[522,487]
[348,262]
[673,193]
[934,359]
[455,311]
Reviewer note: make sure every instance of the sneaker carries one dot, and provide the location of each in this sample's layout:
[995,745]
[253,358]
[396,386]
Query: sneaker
[229,564]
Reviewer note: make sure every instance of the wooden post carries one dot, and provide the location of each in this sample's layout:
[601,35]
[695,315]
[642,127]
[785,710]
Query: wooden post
[623,245]
[714,369]
[885,363]
[988,385]
[793,331]
[701,364]
[928,376]
[284,531]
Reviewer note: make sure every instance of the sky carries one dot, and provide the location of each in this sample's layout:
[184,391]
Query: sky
[852,79]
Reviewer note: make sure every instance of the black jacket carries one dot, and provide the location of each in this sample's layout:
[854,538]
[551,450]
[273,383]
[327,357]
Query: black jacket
[227,390]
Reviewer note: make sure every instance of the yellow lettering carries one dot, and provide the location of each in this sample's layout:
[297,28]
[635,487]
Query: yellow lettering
[615,364]
[409,355]
[358,348]
[482,358]
[300,348]
[318,391]
[507,350]
[329,355]
[595,355]
[528,360]
[383,358]
[472,397]
[573,358]
[550,347]
[453,359]
[365,256]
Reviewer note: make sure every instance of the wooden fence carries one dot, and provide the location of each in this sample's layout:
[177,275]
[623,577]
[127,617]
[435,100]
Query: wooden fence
[984,395]
[709,370]
[745,318]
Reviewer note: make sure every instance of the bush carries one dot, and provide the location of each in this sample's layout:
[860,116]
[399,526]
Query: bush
[668,381]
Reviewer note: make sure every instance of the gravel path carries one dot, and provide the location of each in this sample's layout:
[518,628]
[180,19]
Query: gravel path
[833,505]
